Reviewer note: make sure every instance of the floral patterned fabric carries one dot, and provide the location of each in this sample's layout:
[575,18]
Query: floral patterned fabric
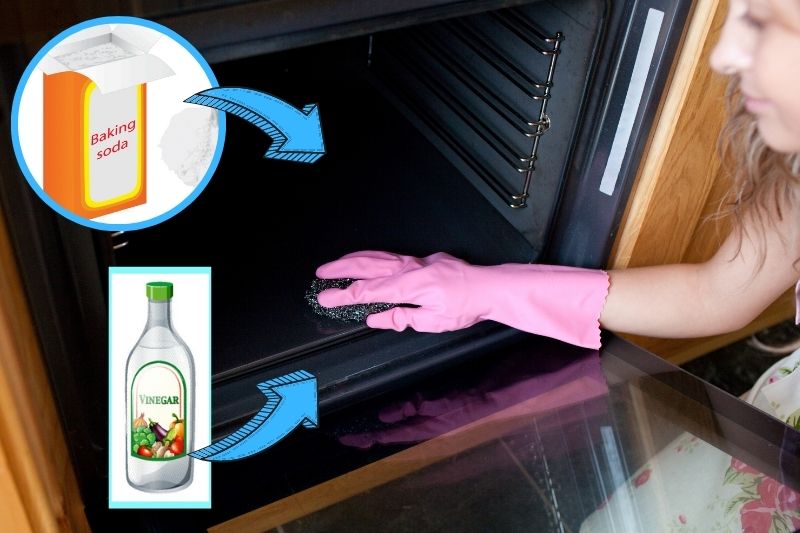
[690,486]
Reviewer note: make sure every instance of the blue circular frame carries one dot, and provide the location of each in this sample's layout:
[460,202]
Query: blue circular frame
[21,158]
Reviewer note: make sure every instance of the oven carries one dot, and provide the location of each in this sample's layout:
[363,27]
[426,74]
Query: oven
[494,130]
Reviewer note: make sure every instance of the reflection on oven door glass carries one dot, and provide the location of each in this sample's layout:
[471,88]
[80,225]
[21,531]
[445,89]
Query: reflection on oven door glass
[609,461]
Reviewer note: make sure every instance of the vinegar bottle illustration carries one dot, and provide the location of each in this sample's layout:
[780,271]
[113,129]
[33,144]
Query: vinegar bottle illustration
[159,384]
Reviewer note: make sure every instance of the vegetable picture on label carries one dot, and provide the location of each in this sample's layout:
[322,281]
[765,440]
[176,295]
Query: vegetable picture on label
[149,439]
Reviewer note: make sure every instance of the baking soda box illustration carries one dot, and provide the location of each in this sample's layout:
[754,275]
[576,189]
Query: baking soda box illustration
[95,119]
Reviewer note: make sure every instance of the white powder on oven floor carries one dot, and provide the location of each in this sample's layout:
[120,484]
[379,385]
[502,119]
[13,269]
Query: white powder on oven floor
[94,55]
[188,144]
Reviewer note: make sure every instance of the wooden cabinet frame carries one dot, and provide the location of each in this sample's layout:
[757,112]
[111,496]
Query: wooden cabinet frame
[680,182]
[37,482]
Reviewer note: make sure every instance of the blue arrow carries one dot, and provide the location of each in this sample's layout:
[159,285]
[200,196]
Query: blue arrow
[296,135]
[291,400]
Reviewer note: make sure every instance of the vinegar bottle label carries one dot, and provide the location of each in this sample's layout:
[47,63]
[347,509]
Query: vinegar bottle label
[158,412]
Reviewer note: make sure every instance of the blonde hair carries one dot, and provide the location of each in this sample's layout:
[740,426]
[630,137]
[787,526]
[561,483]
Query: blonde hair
[763,181]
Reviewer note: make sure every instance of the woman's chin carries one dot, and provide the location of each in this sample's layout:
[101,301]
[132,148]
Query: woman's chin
[778,136]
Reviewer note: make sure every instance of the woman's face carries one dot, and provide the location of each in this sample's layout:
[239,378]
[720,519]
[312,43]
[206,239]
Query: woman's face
[761,43]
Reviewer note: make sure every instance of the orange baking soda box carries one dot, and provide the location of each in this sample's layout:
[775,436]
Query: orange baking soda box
[95,119]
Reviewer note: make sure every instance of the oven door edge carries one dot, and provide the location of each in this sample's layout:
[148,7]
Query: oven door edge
[622,106]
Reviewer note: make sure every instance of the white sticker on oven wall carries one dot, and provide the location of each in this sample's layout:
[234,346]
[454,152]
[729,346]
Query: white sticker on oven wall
[90,118]
[633,98]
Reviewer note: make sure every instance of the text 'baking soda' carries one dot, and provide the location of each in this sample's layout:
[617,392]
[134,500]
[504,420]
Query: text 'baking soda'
[116,139]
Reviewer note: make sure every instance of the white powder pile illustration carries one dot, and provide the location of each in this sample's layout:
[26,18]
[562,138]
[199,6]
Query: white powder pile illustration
[94,55]
[189,143]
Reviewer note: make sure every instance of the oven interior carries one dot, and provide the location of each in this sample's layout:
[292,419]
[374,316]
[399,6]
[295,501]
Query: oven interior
[431,133]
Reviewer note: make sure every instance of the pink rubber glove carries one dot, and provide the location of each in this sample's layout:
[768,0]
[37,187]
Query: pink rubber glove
[555,301]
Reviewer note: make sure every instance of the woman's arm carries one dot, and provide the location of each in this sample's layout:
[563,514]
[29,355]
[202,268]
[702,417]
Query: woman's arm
[447,294]
[723,294]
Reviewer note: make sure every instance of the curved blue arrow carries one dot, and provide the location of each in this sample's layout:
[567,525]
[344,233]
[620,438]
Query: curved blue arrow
[296,134]
[291,400]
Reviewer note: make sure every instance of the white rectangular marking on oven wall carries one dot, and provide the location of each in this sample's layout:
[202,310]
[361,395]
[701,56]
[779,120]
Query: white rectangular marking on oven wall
[644,58]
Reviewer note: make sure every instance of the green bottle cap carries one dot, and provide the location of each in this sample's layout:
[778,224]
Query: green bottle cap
[159,290]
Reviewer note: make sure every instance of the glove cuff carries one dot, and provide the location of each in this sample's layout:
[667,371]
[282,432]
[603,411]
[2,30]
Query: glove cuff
[564,303]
